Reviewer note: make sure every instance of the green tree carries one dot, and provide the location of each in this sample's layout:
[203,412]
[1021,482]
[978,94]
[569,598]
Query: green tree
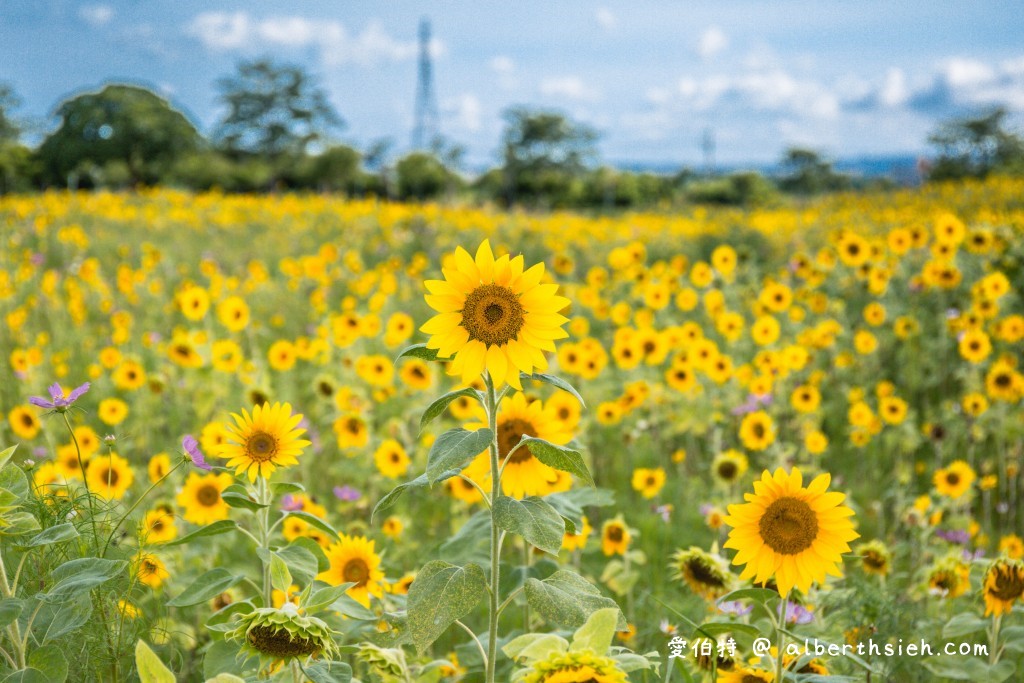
[16,163]
[544,153]
[422,176]
[805,172]
[122,133]
[976,147]
[273,109]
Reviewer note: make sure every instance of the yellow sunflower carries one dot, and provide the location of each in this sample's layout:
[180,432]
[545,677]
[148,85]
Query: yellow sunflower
[876,558]
[351,431]
[112,411]
[391,459]
[109,476]
[954,481]
[158,526]
[24,422]
[577,541]
[353,560]
[576,666]
[745,675]
[1003,585]
[264,441]
[158,467]
[707,574]
[796,534]
[493,315]
[648,482]
[615,537]
[757,431]
[200,496]
[150,569]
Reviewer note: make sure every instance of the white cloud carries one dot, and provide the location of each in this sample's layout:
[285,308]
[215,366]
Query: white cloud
[569,87]
[772,90]
[606,19]
[223,31]
[96,15]
[503,64]
[894,91]
[711,42]
[464,112]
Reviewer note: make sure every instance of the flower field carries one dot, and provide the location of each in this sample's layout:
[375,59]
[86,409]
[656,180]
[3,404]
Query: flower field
[305,438]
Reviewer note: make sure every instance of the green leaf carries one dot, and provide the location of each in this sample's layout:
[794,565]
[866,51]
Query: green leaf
[66,617]
[1013,638]
[77,576]
[441,594]
[471,540]
[55,534]
[435,409]
[6,454]
[962,624]
[570,504]
[533,519]
[206,587]
[219,527]
[597,633]
[392,496]
[328,672]
[27,675]
[281,488]
[314,522]
[296,562]
[969,669]
[151,669]
[417,351]
[554,381]
[717,628]
[559,457]
[9,611]
[13,479]
[237,497]
[19,523]
[280,577]
[567,599]
[531,647]
[300,562]
[50,661]
[325,597]
[759,595]
[452,449]
[220,658]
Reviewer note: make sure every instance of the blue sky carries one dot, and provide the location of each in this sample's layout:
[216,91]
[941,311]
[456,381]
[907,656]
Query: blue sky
[849,78]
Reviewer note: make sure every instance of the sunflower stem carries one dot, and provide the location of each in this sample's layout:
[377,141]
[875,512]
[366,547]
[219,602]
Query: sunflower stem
[85,480]
[493,611]
[141,498]
[263,524]
[780,639]
[994,640]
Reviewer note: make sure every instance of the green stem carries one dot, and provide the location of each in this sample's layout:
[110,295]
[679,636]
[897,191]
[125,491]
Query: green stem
[85,480]
[527,556]
[780,639]
[492,626]
[994,640]
[139,500]
[263,523]
[12,630]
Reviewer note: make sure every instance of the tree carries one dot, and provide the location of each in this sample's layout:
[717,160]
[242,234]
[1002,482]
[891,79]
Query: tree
[422,176]
[10,130]
[122,131]
[806,172]
[273,109]
[544,151]
[15,159]
[976,147]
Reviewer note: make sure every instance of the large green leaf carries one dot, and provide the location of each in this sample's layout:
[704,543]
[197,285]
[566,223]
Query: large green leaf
[328,672]
[6,454]
[206,587]
[452,449]
[567,599]
[417,351]
[441,594]
[13,479]
[50,660]
[392,496]
[77,576]
[570,504]
[554,381]
[151,669]
[219,527]
[9,611]
[597,632]
[560,457]
[237,497]
[301,563]
[55,534]
[533,519]
[436,408]
[64,618]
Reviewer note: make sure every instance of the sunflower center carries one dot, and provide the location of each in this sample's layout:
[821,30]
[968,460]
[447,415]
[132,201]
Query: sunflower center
[27,420]
[789,526]
[614,534]
[261,446]
[356,571]
[727,471]
[110,477]
[703,574]
[758,430]
[279,642]
[1003,380]
[492,314]
[874,560]
[510,433]
[1007,587]
[208,496]
[952,478]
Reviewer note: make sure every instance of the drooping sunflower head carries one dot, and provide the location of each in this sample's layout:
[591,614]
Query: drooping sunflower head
[576,666]
[493,315]
[746,675]
[1003,585]
[705,573]
[283,634]
[795,533]
[258,444]
[949,578]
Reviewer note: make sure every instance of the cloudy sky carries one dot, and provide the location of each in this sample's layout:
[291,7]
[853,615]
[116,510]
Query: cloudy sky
[850,78]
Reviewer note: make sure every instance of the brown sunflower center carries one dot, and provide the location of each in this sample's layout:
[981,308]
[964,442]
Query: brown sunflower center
[110,477]
[727,470]
[614,534]
[510,433]
[952,478]
[261,446]
[758,430]
[1003,380]
[874,560]
[789,526]
[1008,585]
[703,574]
[356,571]
[492,314]
[280,643]
[208,495]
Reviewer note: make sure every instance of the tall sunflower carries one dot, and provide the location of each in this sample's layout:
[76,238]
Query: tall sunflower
[353,560]
[260,443]
[493,315]
[795,533]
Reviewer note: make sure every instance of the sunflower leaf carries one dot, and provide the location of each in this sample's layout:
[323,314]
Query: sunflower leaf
[237,497]
[6,454]
[452,449]
[392,496]
[219,527]
[77,576]
[442,594]
[315,522]
[151,669]
[438,407]
[54,534]
[567,599]
[206,587]
[553,381]
[559,457]
[532,518]
[417,351]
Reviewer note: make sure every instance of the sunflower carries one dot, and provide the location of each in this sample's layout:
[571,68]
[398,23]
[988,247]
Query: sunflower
[88,440]
[353,560]
[1012,546]
[892,409]
[728,466]
[194,302]
[109,476]
[757,431]
[615,537]
[391,459]
[796,534]
[264,441]
[707,574]
[949,578]
[575,666]
[415,374]
[1002,586]
[226,355]
[975,346]
[351,431]
[112,411]
[281,355]
[577,541]
[565,407]
[150,569]
[805,399]
[1003,382]
[875,557]
[200,496]
[233,313]
[815,442]
[158,526]
[375,370]
[954,481]
[392,527]
[648,482]
[24,422]
[129,376]
[493,315]
[745,675]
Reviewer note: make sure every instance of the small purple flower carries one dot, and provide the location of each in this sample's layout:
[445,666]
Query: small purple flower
[736,608]
[958,536]
[705,508]
[798,614]
[347,493]
[191,447]
[665,511]
[37,259]
[58,401]
[290,503]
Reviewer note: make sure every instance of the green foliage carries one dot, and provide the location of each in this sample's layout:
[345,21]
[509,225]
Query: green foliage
[975,147]
[423,176]
[454,448]
[805,172]
[532,518]
[441,594]
[567,599]
[746,188]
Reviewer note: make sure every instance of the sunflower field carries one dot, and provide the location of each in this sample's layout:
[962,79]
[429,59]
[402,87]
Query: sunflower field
[303,438]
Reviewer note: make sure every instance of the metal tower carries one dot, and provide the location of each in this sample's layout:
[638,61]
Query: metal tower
[426,130]
[708,147]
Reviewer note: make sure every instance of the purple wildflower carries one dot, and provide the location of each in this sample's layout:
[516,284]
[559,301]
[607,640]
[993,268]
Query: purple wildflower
[958,536]
[798,614]
[191,447]
[290,503]
[736,608]
[665,511]
[347,493]
[58,401]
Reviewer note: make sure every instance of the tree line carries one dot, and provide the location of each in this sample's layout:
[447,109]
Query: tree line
[279,131]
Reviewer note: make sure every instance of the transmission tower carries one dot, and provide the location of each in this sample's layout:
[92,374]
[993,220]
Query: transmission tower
[708,147]
[426,130]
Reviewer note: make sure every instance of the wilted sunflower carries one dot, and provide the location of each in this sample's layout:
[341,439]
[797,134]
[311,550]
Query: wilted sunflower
[493,315]
[1003,585]
[705,573]
[260,443]
[353,560]
[575,666]
[745,675]
[281,634]
[796,534]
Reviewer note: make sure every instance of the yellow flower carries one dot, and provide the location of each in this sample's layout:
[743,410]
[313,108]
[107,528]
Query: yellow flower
[129,376]
[351,431]
[1003,585]
[954,481]
[892,409]
[796,534]
[392,527]
[950,578]
[805,399]
[391,459]
[261,443]
[109,476]
[200,496]
[233,313]
[815,442]
[577,541]
[648,482]
[353,560]
[728,466]
[282,355]
[194,302]
[493,315]
[158,526]
[975,346]
[1012,546]
[150,569]
[615,537]
[707,574]
[416,374]
[757,431]
[875,557]
[113,411]
[24,422]
[159,466]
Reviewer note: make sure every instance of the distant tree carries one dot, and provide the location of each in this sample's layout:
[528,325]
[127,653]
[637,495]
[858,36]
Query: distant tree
[335,169]
[10,130]
[16,167]
[123,133]
[543,153]
[744,188]
[422,176]
[273,109]
[805,172]
[976,147]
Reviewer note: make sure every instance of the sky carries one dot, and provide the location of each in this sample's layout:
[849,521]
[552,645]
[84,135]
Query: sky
[850,79]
